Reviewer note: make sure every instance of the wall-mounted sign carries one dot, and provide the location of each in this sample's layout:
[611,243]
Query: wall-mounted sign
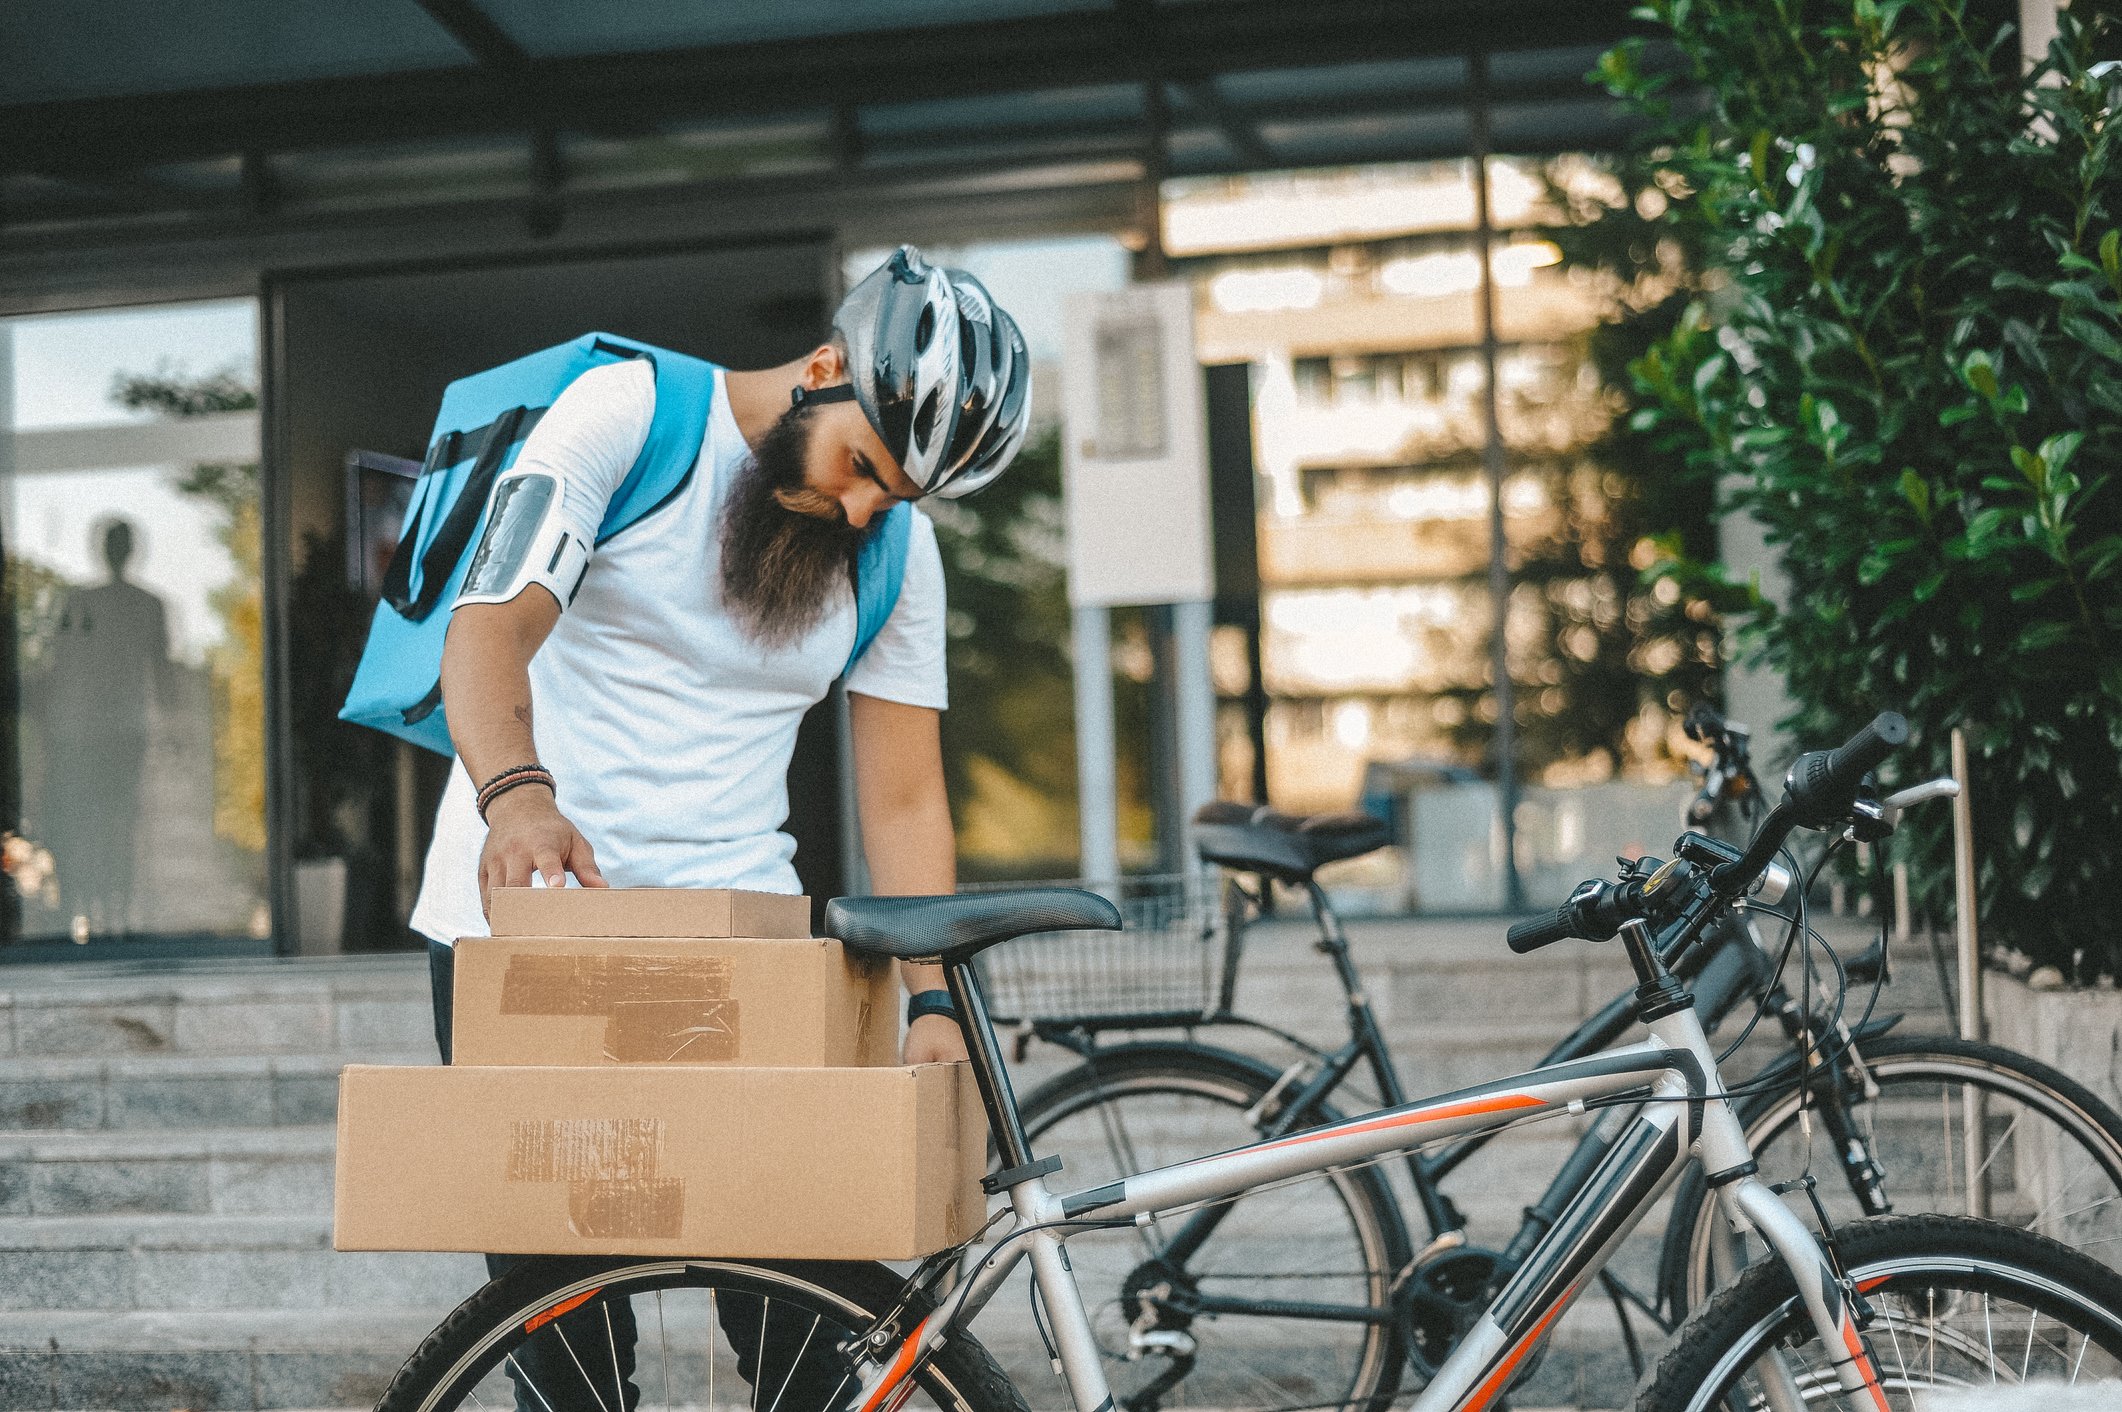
[1134,453]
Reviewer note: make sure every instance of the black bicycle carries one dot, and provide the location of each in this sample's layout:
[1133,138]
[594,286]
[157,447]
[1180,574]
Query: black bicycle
[1212,1308]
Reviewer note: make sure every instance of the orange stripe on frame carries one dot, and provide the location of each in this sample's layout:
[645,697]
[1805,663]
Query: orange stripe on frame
[1855,1344]
[1495,1382]
[902,1364]
[1503,1103]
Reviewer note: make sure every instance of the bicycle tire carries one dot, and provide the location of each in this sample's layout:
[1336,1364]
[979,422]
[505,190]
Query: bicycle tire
[1898,1264]
[1152,1072]
[469,1349]
[1896,1062]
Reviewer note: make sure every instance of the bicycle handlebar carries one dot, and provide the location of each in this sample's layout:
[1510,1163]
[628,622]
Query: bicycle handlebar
[1536,932]
[1822,785]
[1821,788]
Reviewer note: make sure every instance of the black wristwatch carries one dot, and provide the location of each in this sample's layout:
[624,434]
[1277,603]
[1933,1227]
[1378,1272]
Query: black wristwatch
[930,1002]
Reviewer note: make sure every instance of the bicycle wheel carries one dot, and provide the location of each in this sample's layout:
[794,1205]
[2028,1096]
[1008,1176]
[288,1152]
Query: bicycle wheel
[608,1334]
[2049,1160]
[1955,1303]
[1222,1326]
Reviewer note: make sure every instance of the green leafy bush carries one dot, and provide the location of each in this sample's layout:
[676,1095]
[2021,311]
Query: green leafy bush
[1907,364]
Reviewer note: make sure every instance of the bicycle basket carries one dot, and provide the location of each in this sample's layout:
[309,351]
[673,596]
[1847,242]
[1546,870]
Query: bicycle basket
[1174,963]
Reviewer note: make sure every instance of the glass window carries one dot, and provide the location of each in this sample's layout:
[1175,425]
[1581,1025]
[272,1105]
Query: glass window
[134,764]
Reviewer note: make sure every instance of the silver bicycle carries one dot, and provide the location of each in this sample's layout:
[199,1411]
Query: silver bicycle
[1869,1315]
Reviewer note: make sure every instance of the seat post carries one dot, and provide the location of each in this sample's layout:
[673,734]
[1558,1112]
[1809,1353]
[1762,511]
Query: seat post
[985,1051]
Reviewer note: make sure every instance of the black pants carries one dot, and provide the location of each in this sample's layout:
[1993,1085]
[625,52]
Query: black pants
[553,1361]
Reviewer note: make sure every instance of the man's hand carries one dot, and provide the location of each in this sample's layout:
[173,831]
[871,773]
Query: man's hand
[933,1039]
[525,834]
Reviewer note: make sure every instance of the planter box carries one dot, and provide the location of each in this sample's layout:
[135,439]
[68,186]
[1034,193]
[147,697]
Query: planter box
[2080,1033]
[2077,1031]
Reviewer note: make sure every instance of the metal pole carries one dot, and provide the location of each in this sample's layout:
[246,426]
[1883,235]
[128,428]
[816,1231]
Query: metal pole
[1964,895]
[1097,782]
[1194,717]
[1974,1112]
[1492,460]
[10,687]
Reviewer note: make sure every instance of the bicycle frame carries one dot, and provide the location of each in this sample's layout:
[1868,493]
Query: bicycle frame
[1685,1115]
[1730,972]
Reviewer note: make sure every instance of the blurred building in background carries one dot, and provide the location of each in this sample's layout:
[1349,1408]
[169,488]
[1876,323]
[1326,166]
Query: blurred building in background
[243,247]
[1355,295]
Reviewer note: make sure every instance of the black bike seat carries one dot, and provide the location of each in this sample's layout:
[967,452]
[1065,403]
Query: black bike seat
[1253,838]
[954,926]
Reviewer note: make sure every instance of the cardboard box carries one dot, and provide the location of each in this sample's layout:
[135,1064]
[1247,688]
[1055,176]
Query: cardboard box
[559,1001]
[645,911]
[824,1164]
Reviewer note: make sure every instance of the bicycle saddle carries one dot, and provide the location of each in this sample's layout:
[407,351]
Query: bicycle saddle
[954,926]
[1253,838]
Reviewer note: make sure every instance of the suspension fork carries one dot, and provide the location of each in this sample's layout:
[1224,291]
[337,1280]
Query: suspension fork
[1832,1085]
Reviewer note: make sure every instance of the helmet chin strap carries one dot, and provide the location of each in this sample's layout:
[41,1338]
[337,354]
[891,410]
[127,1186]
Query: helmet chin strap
[838,392]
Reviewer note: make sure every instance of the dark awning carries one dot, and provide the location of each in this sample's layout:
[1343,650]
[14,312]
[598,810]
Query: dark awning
[133,114]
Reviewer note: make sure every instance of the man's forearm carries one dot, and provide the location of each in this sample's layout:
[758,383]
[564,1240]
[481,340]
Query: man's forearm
[915,854]
[486,688]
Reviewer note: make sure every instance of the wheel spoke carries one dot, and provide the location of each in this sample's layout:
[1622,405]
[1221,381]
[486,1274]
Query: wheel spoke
[587,1381]
[524,1379]
[794,1364]
[663,1346]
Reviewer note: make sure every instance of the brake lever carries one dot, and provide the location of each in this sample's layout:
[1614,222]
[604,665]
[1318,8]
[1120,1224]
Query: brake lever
[1945,787]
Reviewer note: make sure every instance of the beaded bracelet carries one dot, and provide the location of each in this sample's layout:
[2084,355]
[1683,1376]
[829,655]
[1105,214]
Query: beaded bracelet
[510,778]
[533,768]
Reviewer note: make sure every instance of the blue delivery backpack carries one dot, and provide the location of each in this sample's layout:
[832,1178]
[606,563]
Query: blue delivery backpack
[483,423]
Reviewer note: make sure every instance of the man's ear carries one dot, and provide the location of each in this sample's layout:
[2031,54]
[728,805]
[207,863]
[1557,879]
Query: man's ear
[826,365]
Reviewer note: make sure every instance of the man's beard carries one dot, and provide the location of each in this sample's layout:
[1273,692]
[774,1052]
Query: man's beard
[786,549]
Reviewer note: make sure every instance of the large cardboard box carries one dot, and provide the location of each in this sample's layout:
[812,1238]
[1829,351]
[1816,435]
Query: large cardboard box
[561,1001]
[645,911]
[829,1164]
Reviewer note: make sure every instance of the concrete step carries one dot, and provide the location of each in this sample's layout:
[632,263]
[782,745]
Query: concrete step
[201,1171]
[95,1092]
[347,1005]
[232,1359]
[173,1263]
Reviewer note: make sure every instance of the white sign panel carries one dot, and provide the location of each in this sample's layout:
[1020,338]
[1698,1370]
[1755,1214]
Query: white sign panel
[1134,458]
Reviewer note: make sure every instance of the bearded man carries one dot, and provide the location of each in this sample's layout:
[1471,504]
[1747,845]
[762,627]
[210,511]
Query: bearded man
[631,722]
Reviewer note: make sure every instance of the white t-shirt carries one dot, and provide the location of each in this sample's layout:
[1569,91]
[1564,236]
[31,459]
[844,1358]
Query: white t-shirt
[668,730]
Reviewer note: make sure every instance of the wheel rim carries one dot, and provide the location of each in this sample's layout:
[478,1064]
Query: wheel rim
[1304,1242]
[1941,1323]
[684,1356]
[2038,1162]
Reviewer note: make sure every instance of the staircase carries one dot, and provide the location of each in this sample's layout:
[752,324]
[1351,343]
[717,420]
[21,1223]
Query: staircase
[165,1187]
[166,1146]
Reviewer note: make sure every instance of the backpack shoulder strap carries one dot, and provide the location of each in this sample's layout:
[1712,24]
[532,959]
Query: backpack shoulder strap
[880,572]
[685,394]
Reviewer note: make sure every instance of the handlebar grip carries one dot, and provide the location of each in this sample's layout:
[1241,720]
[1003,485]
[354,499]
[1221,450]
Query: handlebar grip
[1536,932]
[1822,784]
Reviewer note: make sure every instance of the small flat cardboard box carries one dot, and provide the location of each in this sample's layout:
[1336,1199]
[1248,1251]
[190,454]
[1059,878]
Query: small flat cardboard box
[645,911]
[798,1164]
[562,1001]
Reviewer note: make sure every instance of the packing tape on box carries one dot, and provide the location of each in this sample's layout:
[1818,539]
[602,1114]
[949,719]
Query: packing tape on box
[609,1166]
[657,1009]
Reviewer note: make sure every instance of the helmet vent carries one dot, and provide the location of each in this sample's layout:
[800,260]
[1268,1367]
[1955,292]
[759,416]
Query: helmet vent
[925,330]
[925,419]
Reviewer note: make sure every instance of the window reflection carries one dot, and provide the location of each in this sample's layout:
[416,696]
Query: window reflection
[129,505]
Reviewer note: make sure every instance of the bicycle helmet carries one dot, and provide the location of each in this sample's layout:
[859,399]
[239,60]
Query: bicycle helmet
[941,372]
